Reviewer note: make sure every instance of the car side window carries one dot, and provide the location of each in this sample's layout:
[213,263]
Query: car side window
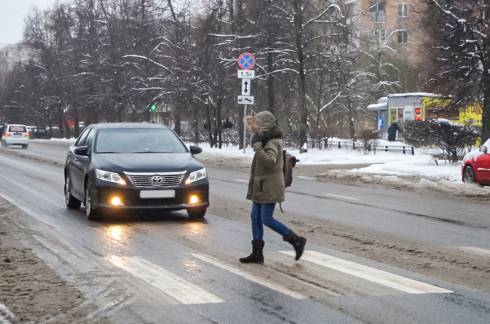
[82,138]
[89,139]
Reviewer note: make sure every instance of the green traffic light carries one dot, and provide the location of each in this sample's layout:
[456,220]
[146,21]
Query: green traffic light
[154,107]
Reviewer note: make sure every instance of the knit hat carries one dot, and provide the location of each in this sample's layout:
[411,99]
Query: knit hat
[265,120]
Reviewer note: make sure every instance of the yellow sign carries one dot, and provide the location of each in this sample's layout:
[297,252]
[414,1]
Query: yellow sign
[471,115]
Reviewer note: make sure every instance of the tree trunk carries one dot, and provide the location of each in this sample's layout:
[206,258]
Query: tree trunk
[177,120]
[195,125]
[219,123]
[352,126]
[77,122]
[303,120]
[270,81]
[486,109]
[210,128]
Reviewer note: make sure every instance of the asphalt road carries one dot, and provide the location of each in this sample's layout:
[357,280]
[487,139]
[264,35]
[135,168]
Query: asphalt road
[165,268]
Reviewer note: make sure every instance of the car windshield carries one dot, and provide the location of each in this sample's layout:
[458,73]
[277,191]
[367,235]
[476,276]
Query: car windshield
[138,140]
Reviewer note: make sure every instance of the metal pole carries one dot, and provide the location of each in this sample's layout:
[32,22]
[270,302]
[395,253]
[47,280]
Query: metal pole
[244,130]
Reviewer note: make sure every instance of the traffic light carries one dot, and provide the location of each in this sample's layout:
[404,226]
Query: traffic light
[153,107]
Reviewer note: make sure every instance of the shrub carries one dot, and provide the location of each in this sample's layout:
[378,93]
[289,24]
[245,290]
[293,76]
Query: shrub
[453,139]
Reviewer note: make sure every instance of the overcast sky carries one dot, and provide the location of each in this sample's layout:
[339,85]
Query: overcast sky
[12,14]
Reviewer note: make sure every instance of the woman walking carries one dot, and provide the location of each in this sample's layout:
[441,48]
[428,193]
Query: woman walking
[266,185]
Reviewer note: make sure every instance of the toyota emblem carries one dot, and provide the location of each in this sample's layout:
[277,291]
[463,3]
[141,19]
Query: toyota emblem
[156,180]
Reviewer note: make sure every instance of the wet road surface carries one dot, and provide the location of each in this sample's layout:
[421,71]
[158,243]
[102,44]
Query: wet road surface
[165,268]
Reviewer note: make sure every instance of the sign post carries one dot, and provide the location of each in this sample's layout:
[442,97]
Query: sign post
[246,62]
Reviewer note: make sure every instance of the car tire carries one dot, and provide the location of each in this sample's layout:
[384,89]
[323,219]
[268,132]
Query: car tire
[92,213]
[196,213]
[469,175]
[70,201]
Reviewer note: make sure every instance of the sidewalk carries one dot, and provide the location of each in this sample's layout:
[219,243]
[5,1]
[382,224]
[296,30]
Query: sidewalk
[30,291]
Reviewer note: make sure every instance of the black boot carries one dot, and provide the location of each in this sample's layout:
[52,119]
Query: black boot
[298,242]
[257,255]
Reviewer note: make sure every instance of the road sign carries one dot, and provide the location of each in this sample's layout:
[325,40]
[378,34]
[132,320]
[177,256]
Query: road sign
[246,87]
[246,74]
[246,100]
[153,107]
[246,61]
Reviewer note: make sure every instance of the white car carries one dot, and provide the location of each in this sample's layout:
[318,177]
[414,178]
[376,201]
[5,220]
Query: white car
[15,135]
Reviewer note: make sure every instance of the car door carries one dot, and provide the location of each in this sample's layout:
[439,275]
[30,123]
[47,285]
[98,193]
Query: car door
[483,165]
[71,162]
[79,165]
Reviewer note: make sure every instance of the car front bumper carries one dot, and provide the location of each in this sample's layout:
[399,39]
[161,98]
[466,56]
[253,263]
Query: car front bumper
[130,197]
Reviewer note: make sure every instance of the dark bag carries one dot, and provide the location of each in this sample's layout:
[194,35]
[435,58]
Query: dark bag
[289,164]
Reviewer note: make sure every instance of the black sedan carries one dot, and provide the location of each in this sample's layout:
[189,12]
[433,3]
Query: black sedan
[131,166]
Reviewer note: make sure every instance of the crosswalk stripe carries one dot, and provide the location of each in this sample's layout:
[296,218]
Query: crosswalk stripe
[241,180]
[475,250]
[380,277]
[6,316]
[169,283]
[341,197]
[261,281]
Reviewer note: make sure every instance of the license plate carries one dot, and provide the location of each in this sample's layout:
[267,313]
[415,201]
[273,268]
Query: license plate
[153,194]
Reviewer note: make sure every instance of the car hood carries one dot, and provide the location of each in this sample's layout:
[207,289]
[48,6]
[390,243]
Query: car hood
[472,155]
[146,162]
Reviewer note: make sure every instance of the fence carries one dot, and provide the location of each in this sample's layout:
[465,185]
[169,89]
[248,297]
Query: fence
[327,144]
[350,145]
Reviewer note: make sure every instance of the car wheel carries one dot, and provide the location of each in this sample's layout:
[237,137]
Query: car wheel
[91,213]
[196,213]
[71,202]
[469,175]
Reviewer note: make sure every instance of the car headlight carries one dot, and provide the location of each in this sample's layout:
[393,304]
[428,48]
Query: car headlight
[109,176]
[196,176]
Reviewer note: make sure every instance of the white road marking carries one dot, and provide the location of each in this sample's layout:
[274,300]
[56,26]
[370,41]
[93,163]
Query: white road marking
[380,277]
[475,250]
[306,178]
[341,197]
[241,180]
[6,316]
[169,283]
[261,281]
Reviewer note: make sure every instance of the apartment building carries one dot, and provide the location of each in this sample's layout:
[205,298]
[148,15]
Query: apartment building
[395,23]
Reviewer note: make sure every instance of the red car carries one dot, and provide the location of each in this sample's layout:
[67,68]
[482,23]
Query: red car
[476,166]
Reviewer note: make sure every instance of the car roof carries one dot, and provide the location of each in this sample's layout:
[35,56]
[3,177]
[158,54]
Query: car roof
[8,125]
[125,125]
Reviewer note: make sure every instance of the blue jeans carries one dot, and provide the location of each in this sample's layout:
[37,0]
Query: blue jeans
[262,214]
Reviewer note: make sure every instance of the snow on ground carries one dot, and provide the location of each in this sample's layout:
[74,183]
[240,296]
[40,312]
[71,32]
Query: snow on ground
[422,165]
[382,163]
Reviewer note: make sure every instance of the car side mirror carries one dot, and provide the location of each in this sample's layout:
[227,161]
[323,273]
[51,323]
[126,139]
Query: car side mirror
[82,151]
[484,149]
[195,150]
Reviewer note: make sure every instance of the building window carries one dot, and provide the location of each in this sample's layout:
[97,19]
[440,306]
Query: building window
[380,35]
[403,10]
[402,37]
[377,11]
[377,7]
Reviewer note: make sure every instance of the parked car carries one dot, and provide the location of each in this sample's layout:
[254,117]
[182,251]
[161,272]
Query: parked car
[15,134]
[31,130]
[476,165]
[130,166]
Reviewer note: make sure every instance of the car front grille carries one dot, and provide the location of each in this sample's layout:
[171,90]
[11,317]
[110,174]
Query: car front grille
[156,180]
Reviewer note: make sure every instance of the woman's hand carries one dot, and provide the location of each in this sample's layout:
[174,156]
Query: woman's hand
[256,138]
